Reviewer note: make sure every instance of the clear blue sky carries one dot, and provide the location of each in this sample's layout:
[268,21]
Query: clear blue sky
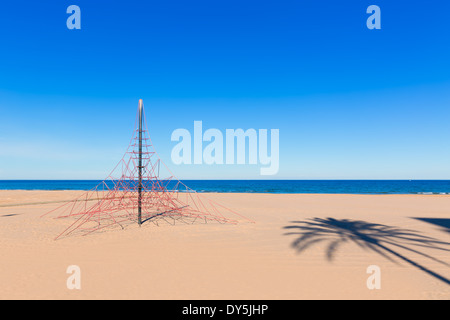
[350,103]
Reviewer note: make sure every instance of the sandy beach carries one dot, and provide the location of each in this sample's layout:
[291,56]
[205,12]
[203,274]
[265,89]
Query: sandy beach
[300,247]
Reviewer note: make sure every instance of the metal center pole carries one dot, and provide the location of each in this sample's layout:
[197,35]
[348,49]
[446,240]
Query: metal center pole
[141,108]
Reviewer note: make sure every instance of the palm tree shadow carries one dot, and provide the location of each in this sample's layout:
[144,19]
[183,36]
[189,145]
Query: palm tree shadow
[378,238]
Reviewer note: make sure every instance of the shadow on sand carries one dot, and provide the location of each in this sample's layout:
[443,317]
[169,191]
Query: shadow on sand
[379,238]
[444,224]
[9,215]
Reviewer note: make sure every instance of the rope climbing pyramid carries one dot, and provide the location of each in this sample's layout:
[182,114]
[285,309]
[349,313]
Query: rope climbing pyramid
[140,189]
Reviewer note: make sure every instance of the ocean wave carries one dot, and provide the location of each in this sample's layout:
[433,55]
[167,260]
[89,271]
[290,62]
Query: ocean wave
[431,193]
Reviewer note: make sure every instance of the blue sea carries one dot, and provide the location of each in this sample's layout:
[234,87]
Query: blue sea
[263,186]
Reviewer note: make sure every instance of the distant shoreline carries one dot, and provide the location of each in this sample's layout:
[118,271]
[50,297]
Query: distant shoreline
[254,193]
[421,187]
[71,193]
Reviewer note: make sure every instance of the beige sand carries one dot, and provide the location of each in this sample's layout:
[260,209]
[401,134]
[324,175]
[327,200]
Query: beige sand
[246,261]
